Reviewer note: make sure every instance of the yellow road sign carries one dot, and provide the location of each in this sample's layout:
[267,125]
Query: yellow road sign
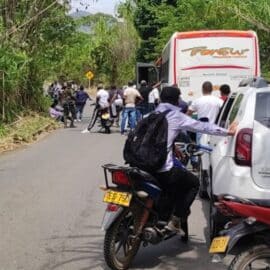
[89,75]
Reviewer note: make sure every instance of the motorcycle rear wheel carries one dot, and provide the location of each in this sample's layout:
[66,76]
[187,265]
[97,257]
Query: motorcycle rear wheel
[119,237]
[257,257]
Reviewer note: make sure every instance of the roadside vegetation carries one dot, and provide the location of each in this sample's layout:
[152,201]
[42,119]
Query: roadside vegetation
[41,42]
[156,20]
[24,130]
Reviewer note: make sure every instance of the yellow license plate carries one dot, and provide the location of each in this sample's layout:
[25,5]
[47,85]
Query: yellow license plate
[121,198]
[219,244]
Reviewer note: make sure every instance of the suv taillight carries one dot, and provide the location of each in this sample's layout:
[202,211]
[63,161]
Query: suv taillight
[120,178]
[243,147]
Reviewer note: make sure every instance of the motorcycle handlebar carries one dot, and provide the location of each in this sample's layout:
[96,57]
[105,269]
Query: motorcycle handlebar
[193,149]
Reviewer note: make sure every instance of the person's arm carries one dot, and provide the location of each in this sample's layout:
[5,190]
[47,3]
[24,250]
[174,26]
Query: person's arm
[192,108]
[156,96]
[139,96]
[87,96]
[184,122]
[157,84]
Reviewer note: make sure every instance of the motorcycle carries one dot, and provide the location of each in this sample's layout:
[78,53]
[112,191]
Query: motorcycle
[247,233]
[137,212]
[104,116]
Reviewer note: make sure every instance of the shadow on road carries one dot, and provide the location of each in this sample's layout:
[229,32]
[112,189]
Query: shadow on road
[174,254]
[80,252]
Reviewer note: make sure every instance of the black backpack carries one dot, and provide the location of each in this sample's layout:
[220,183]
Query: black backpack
[146,146]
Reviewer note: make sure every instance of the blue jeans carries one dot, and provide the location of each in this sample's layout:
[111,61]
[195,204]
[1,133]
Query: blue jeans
[130,114]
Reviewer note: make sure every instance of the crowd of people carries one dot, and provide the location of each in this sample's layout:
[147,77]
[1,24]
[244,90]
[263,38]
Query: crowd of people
[68,102]
[127,105]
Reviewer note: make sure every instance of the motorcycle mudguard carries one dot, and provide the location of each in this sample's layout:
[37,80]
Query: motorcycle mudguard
[110,217]
[241,230]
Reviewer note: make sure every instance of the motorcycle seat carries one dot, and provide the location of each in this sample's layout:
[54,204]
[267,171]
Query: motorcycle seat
[257,202]
[263,203]
[138,173]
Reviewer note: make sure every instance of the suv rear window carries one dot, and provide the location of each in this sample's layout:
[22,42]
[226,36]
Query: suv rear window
[262,110]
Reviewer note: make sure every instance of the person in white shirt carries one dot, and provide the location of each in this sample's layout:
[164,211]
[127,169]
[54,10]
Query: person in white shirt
[102,97]
[153,99]
[207,106]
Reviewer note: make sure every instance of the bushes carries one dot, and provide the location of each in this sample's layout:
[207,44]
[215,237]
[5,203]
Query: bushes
[24,130]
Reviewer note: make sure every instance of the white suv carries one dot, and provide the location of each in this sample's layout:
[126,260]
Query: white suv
[240,165]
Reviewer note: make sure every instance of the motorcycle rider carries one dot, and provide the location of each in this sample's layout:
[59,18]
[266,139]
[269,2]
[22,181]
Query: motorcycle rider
[102,101]
[181,184]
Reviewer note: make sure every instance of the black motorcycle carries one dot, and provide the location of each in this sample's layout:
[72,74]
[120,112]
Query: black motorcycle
[137,212]
[103,115]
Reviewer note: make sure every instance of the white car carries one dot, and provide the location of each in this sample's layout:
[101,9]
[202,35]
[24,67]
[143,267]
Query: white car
[240,165]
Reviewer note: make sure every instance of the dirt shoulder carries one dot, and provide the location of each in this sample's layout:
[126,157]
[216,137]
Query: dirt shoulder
[24,131]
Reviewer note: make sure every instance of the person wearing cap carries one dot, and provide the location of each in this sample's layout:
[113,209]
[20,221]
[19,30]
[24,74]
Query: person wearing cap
[178,182]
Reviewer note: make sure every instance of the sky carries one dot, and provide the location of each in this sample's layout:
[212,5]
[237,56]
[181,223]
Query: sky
[104,6]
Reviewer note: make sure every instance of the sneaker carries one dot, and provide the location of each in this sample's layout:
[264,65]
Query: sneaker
[79,120]
[174,225]
[85,131]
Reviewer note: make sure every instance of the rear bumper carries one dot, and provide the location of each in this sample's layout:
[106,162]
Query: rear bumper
[228,178]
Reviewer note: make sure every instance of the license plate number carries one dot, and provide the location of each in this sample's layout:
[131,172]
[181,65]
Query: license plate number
[121,198]
[219,244]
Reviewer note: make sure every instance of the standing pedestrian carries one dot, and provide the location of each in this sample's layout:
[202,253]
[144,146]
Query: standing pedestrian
[81,98]
[207,106]
[142,107]
[129,112]
[153,98]
[225,90]
[116,102]
[68,103]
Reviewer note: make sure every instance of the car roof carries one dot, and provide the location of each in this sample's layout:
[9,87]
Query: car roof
[257,84]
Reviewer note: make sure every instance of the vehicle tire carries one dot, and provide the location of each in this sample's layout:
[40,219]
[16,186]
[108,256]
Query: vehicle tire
[244,260]
[118,236]
[213,230]
[203,181]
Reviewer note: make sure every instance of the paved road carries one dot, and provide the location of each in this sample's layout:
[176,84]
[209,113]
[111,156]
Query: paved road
[51,208]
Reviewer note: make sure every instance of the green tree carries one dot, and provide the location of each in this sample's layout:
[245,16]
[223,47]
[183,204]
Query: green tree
[156,21]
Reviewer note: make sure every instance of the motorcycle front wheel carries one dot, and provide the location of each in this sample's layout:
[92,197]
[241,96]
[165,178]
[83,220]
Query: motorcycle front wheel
[257,257]
[120,244]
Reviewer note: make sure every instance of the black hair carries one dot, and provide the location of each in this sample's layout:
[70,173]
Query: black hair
[225,89]
[113,87]
[130,83]
[170,94]
[207,87]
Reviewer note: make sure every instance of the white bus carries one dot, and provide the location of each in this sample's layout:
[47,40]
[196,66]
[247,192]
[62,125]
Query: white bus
[218,56]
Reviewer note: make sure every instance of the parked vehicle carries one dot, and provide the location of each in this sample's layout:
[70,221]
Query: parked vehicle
[247,234]
[137,212]
[191,58]
[239,165]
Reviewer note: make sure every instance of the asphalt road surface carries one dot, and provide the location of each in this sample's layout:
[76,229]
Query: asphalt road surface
[51,208]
